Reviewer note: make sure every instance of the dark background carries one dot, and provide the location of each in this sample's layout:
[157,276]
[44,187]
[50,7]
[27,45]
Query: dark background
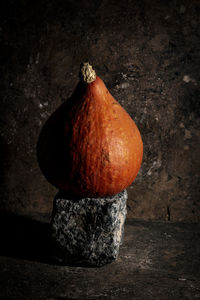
[147,53]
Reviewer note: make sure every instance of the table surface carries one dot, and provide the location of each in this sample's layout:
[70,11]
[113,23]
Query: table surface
[157,260]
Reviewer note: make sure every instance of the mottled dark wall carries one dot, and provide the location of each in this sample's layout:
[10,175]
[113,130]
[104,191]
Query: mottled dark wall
[147,53]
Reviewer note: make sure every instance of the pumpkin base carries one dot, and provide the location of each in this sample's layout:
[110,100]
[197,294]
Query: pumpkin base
[88,231]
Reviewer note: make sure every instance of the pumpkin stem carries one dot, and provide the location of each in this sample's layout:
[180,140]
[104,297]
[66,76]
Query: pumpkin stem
[87,74]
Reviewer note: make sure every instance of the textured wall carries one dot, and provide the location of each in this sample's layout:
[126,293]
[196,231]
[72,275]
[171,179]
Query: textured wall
[147,54]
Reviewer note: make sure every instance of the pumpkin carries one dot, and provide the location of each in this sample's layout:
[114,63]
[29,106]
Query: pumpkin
[90,146]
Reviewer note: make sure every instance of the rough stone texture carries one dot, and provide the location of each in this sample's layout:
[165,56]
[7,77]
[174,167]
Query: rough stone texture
[88,231]
[147,52]
[157,260]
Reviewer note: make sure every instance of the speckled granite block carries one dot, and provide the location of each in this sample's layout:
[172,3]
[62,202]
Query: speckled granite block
[88,231]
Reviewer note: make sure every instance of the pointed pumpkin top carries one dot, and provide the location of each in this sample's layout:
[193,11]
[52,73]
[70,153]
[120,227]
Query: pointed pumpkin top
[87,73]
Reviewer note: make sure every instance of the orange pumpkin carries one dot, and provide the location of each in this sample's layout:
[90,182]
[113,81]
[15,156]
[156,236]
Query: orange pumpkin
[90,146]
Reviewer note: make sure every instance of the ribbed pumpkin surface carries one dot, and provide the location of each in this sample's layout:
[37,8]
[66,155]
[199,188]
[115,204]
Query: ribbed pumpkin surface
[90,147]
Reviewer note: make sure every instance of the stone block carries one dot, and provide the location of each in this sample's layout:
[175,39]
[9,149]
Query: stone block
[88,231]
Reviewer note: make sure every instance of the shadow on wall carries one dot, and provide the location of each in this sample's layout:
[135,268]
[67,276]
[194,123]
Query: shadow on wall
[3,155]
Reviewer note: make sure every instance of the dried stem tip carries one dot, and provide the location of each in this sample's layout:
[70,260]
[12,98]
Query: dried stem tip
[88,75]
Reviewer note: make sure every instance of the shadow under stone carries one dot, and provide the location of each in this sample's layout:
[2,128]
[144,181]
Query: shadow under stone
[25,238]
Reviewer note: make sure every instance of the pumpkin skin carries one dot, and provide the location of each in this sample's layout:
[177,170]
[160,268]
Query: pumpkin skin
[90,146]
